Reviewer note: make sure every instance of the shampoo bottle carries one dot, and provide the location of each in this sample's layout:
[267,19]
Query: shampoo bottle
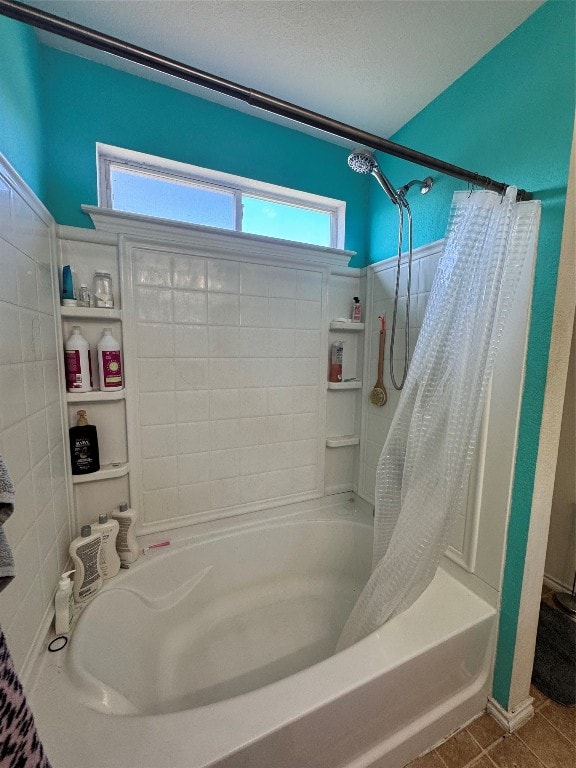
[335,363]
[77,362]
[356,310]
[109,362]
[85,554]
[84,452]
[126,543]
[109,559]
[63,605]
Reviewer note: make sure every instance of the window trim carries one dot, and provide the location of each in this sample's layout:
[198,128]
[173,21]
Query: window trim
[108,156]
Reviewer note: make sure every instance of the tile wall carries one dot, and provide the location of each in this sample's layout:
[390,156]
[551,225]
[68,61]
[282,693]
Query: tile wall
[230,382]
[381,289]
[31,436]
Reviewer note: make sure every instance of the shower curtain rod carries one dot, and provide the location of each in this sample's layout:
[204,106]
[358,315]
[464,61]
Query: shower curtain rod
[117,47]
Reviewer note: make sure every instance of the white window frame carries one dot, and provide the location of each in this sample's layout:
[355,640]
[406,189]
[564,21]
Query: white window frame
[108,156]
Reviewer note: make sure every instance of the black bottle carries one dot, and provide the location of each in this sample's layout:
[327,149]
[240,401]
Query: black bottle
[84,447]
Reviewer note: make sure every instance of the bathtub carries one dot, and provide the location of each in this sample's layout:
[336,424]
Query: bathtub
[218,651]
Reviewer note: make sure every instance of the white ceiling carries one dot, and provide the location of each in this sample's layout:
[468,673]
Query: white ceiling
[371,63]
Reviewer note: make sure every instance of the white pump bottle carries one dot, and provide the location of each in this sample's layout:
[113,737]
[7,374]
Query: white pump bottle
[64,605]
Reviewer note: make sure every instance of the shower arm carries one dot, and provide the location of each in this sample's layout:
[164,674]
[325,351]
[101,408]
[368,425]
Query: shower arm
[113,45]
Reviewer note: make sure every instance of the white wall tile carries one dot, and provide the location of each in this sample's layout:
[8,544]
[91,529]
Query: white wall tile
[253,488]
[224,434]
[253,342]
[152,269]
[191,373]
[224,493]
[16,451]
[309,285]
[254,279]
[254,458]
[253,402]
[156,374]
[223,340]
[223,276]
[254,311]
[224,403]
[193,437]
[161,504]
[157,408]
[193,499]
[10,347]
[12,402]
[189,273]
[159,473]
[192,406]
[223,309]
[154,340]
[191,341]
[159,441]
[193,468]
[154,305]
[283,282]
[190,307]
[224,464]
[283,342]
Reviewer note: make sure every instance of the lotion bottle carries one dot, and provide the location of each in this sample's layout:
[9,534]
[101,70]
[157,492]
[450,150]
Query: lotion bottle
[109,559]
[85,554]
[109,362]
[63,605]
[126,543]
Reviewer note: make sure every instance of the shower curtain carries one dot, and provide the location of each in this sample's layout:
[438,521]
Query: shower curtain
[423,470]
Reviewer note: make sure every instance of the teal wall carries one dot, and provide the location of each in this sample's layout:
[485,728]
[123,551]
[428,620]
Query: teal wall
[510,117]
[87,103]
[21,140]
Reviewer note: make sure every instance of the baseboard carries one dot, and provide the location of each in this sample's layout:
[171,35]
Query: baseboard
[511,720]
[555,585]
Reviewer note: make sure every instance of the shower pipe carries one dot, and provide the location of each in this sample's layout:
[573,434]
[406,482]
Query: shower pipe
[113,45]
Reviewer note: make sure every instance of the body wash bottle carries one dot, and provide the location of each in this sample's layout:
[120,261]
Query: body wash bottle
[84,452]
[109,559]
[109,362]
[126,543]
[63,605]
[77,362]
[85,554]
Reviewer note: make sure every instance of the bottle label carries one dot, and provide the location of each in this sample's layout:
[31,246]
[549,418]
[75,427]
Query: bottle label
[122,538]
[73,369]
[89,553]
[112,368]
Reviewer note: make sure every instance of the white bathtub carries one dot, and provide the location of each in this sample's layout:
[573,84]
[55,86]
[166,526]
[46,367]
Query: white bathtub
[217,652]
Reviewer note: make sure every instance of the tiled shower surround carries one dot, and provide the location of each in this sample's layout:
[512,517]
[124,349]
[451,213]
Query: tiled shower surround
[230,362]
[31,437]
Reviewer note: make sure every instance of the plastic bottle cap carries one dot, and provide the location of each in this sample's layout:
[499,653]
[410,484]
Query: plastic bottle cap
[83,285]
[65,580]
[85,531]
[102,272]
[356,300]
[69,303]
[124,506]
[82,421]
[102,519]
[106,331]
[75,329]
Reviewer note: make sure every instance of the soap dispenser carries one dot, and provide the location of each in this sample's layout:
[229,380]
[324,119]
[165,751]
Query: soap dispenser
[63,605]
[109,558]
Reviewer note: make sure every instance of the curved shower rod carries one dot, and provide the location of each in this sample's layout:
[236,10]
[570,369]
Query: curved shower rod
[113,45]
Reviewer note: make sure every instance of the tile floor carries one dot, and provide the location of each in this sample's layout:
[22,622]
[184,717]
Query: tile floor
[548,740]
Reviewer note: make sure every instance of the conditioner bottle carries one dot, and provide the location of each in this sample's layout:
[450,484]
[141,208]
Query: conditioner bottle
[126,543]
[85,554]
[109,362]
[109,559]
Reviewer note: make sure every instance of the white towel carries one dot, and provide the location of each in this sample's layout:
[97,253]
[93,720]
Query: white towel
[7,571]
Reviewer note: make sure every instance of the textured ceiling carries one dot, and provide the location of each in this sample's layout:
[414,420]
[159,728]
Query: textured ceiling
[371,63]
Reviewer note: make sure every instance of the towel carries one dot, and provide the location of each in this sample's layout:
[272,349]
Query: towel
[7,570]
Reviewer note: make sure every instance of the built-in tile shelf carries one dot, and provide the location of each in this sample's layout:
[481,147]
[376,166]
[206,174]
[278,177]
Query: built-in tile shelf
[95,396]
[356,384]
[341,441]
[339,325]
[108,472]
[90,313]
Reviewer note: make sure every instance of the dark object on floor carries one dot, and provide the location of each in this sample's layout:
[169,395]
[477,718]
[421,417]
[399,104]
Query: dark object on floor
[554,671]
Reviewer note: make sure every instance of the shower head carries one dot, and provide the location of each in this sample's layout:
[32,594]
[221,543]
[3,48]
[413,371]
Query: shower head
[425,186]
[365,162]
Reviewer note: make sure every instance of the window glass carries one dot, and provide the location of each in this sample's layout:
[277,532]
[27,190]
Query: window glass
[168,198]
[289,222]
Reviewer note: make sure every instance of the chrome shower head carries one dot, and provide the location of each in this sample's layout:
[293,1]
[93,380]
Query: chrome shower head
[362,162]
[425,186]
[365,162]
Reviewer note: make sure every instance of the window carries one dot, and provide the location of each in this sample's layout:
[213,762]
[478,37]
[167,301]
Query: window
[153,186]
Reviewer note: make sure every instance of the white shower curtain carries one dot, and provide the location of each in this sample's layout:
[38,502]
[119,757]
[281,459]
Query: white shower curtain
[423,470]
